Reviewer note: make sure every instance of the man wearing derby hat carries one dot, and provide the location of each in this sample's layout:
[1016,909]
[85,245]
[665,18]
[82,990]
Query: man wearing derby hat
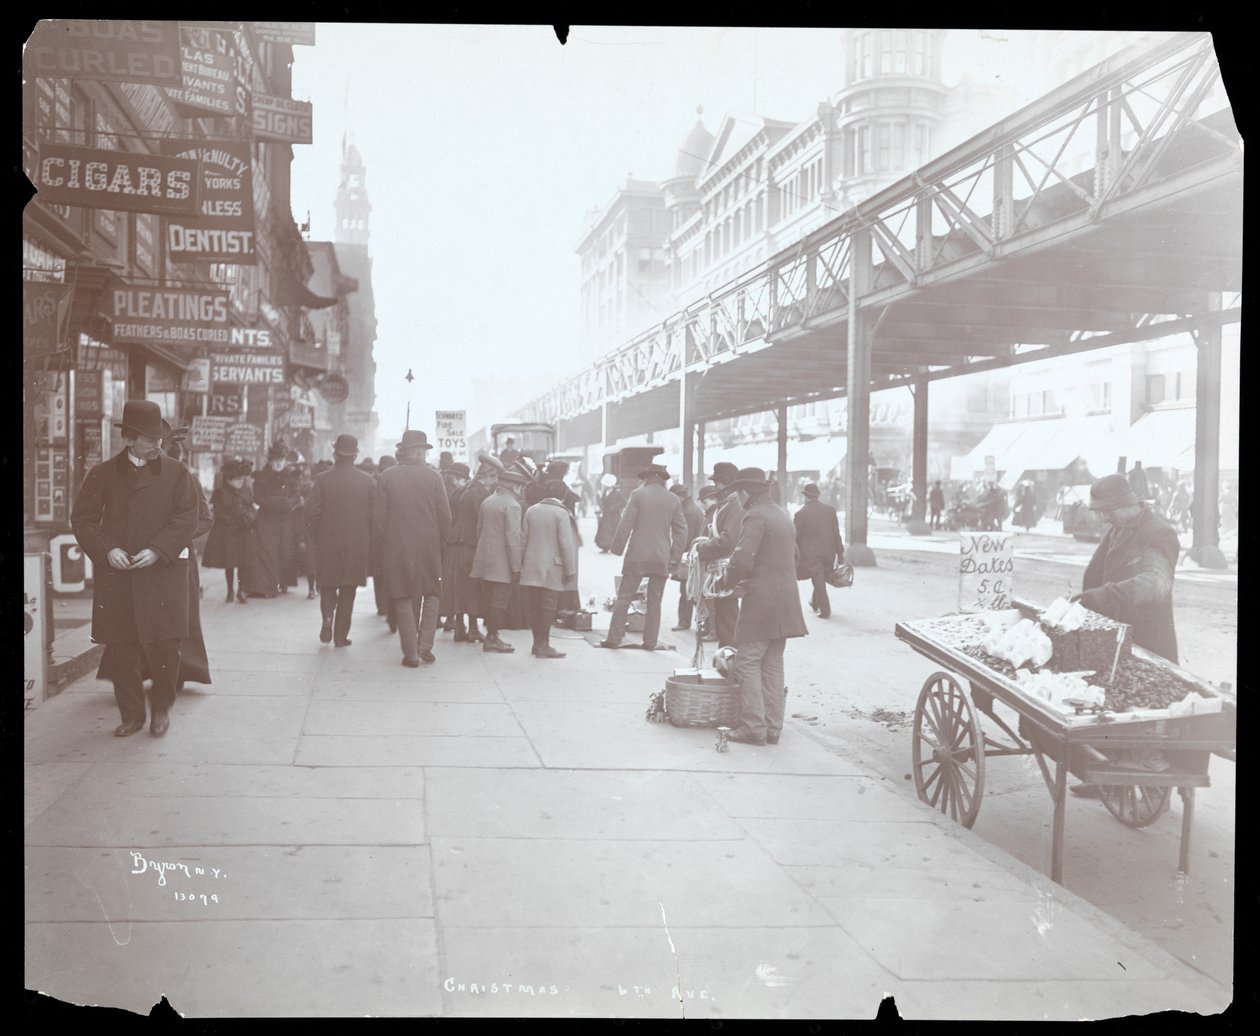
[273,542]
[694,517]
[819,545]
[135,516]
[764,561]
[652,535]
[719,542]
[412,520]
[339,525]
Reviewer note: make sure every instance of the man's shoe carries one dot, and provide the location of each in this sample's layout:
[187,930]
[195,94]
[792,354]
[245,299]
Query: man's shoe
[679,629]
[325,632]
[161,722]
[461,636]
[745,737]
[772,739]
[411,663]
[824,615]
[1086,791]
[310,595]
[128,728]
[241,598]
[495,644]
[608,644]
[344,643]
[475,636]
[230,597]
[427,656]
[547,651]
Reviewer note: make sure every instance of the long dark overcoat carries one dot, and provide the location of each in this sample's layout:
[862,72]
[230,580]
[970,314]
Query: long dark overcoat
[817,538]
[611,505]
[413,520]
[339,521]
[156,506]
[1130,579]
[233,522]
[765,559]
[652,532]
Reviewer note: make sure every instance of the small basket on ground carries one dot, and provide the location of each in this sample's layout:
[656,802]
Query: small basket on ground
[701,698]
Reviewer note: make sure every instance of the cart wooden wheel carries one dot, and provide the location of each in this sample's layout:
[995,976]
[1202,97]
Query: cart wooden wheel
[1135,805]
[948,749]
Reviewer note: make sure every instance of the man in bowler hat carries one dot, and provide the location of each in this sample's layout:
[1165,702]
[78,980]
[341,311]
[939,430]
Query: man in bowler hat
[339,523]
[135,517]
[652,535]
[818,541]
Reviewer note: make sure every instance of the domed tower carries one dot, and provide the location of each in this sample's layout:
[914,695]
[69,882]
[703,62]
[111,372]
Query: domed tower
[891,106]
[352,206]
[682,199]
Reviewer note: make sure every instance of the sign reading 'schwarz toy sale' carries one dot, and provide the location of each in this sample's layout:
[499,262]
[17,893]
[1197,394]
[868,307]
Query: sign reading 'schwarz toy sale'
[986,571]
[99,48]
[224,229]
[100,179]
[449,432]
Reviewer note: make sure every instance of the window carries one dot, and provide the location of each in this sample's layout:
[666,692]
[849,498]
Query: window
[899,145]
[1154,389]
[899,54]
[918,47]
[866,46]
[1098,399]
[1049,403]
[864,151]
[885,54]
[885,143]
[1185,385]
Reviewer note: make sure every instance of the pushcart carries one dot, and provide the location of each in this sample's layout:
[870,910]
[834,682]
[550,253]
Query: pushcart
[1135,758]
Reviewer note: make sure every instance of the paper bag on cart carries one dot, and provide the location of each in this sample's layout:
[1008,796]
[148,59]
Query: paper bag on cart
[1194,704]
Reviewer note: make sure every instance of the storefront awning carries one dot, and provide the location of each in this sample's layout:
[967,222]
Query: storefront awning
[1164,439]
[292,292]
[821,455]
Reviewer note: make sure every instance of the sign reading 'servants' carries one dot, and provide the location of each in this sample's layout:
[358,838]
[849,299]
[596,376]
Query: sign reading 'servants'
[247,368]
[223,228]
[100,179]
[100,48]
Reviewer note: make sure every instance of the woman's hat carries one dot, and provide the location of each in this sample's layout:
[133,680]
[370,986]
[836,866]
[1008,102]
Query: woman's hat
[142,417]
[460,469]
[1111,492]
[525,467]
[346,446]
[657,470]
[608,480]
[750,478]
[811,490]
[278,451]
[514,478]
[414,438]
[724,473]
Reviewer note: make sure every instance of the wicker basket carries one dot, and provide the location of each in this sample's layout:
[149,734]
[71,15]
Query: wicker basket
[701,705]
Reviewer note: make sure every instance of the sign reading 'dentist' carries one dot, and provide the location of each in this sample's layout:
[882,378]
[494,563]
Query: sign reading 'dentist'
[187,315]
[223,231]
[100,179]
[986,571]
[247,368]
[282,118]
[92,48]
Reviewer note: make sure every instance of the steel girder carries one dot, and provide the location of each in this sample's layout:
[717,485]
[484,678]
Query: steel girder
[1145,119]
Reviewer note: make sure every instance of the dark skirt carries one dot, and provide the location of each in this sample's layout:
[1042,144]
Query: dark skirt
[226,546]
[464,591]
[265,556]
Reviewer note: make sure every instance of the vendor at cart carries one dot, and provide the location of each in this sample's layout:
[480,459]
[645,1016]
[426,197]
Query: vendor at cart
[1130,577]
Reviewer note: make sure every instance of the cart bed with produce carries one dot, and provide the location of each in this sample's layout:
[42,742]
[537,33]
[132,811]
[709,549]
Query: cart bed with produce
[1130,723]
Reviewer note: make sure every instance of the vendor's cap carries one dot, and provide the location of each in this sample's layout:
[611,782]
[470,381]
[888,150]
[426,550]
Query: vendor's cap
[142,417]
[751,479]
[346,445]
[460,469]
[811,490]
[414,438]
[655,471]
[724,473]
[1111,492]
[488,462]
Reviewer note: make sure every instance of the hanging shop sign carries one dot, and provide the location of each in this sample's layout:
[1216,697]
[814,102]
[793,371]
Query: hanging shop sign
[243,440]
[210,84]
[282,118]
[247,368]
[334,388]
[295,34]
[89,395]
[223,231]
[209,434]
[117,51]
[100,179]
[183,315]
[44,309]
[227,401]
[986,571]
[197,377]
[300,418]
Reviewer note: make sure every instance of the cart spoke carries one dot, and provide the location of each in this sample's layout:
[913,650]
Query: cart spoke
[971,773]
[940,785]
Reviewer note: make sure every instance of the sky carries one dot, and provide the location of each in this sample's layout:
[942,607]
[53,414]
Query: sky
[484,148]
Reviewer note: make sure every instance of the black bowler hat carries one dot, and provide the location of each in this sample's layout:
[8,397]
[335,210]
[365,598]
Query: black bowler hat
[750,479]
[142,417]
[724,473]
[278,451]
[413,437]
[346,445]
[460,469]
[811,490]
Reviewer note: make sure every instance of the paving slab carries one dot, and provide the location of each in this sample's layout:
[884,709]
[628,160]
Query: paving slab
[836,886]
[214,780]
[424,684]
[572,804]
[601,735]
[790,797]
[282,882]
[220,969]
[262,660]
[560,681]
[402,718]
[250,682]
[508,882]
[348,750]
[46,783]
[174,820]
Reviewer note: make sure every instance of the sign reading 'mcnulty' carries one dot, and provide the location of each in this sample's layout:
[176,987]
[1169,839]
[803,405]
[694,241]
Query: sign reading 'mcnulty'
[170,314]
[99,48]
[95,178]
[224,229]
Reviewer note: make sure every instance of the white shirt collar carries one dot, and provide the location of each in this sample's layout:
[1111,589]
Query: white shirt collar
[135,460]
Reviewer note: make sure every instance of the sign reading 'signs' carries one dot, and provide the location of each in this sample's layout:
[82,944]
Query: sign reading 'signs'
[224,230]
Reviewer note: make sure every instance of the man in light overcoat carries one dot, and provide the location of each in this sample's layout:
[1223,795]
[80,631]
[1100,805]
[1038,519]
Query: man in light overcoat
[500,553]
[549,563]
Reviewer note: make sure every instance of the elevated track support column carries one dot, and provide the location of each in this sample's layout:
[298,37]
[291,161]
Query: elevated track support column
[699,456]
[919,387]
[1206,550]
[858,387]
[781,467]
[686,422]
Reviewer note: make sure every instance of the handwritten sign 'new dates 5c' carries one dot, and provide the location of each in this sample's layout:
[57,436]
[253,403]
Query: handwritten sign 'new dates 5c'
[986,571]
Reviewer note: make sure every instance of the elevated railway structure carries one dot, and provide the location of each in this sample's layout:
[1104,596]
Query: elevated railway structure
[1108,211]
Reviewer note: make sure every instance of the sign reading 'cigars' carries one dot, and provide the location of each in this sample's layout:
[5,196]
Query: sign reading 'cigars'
[92,48]
[95,178]
[223,230]
[181,315]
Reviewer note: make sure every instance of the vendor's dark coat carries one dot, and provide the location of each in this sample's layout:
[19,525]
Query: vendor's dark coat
[412,519]
[156,506]
[725,527]
[339,520]
[652,532]
[817,538]
[1130,579]
[765,561]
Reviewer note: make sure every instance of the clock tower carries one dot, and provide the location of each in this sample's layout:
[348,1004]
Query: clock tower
[352,206]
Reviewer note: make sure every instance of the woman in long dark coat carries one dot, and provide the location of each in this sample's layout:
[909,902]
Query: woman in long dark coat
[611,504]
[272,541]
[227,546]
[455,479]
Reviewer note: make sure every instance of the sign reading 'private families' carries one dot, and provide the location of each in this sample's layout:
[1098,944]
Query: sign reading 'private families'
[282,118]
[210,83]
[986,571]
[186,315]
[95,178]
[223,231]
[247,368]
[92,48]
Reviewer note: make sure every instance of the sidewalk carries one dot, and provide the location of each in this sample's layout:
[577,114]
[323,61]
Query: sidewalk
[498,835]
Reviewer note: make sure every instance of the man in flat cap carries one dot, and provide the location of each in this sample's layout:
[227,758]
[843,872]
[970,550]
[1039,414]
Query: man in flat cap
[719,542]
[135,516]
[652,535]
[339,525]
[413,520]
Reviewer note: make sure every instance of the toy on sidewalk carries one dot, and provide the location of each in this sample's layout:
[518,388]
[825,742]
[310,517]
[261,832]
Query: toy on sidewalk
[722,744]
